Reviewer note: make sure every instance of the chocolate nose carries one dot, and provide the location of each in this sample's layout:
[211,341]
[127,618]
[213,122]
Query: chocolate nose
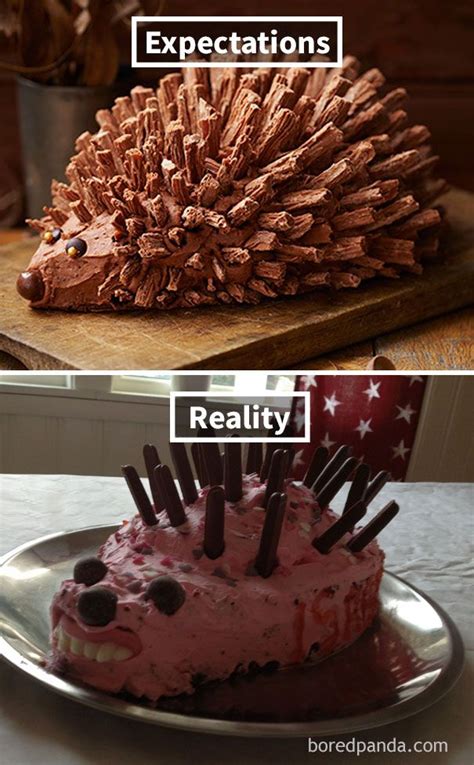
[30,285]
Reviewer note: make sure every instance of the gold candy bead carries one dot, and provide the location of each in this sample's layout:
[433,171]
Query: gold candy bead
[73,252]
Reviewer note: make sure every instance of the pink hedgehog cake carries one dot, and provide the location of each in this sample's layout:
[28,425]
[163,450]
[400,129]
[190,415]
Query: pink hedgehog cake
[251,570]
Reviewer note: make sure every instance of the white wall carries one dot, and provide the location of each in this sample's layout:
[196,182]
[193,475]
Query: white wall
[45,433]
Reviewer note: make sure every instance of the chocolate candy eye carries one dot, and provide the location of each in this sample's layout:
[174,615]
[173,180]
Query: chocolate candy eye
[89,571]
[166,593]
[50,237]
[30,285]
[97,606]
[76,247]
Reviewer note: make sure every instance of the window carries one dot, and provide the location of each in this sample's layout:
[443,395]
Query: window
[44,380]
[144,385]
[158,384]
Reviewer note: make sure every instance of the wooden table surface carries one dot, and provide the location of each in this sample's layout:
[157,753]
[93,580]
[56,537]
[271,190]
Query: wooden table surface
[441,343]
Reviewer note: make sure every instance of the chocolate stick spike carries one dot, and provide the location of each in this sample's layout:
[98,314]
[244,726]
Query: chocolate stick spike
[254,458]
[329,491]
[205,477]
[233,471]
[376,485]
[344,524]
[212,461]
[139,495]
[318,462]
[267,459]
[358,486]
[214,524]
[184,473]
[152,459]
[277,474]
[173,505]
[332,467]
[267,551]
[374,527]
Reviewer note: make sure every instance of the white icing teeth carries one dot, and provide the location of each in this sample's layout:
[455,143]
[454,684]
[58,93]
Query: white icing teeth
[105,652]
[77,646]
[90,650]
[63,640]
[99,652]
[122,653]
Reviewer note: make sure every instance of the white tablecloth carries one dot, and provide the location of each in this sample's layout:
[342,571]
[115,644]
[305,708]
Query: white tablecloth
[430,544]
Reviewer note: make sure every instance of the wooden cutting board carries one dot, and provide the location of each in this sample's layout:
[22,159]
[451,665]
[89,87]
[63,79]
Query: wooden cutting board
[270,336]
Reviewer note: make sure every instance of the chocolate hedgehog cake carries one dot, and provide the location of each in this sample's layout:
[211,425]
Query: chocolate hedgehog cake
[228,186]
[250,570]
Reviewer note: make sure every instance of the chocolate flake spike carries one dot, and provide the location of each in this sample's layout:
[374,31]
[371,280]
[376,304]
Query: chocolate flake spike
[358,486]
[332,467]
[329,491]
[184,473]
[173,506]
[152,459]
[277,474]
[199,464]
[212,461]
[376,485]
[254,458]
[344,524]
[214,524]
[139,495]
[318,462]
[374,527]
[267,551]
[233,470]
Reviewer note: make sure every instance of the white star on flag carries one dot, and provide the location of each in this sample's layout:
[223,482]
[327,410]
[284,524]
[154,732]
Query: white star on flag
[405,413]
[309,381]
[298,458]
[364,427]
[414,379]
[373,390]
[331,403]
[327,441]
[400,450]
[299,420]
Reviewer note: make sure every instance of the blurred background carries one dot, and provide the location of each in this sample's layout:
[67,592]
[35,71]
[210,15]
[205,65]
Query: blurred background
[60,59]
[418,427]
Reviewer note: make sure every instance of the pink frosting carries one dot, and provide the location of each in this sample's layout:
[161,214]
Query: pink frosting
[231,616]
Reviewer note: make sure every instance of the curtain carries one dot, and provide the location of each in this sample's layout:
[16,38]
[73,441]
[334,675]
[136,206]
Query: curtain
[376,415]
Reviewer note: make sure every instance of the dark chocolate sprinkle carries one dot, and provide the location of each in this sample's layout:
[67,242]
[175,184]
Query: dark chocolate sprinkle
[166,593]
[89,571]
[97,606]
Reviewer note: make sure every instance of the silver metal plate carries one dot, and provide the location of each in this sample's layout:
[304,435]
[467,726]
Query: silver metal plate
[409,659]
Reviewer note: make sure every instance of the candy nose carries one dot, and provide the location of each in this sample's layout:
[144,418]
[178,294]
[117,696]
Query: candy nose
[30,285]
